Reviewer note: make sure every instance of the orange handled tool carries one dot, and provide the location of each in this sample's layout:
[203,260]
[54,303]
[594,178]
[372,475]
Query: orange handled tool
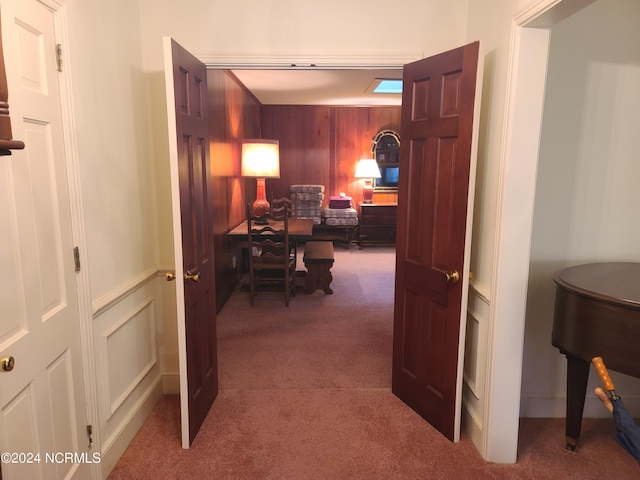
[604,376]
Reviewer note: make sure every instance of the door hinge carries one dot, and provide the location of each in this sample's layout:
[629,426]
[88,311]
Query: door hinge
[59,56]
[76,257]
[90,435]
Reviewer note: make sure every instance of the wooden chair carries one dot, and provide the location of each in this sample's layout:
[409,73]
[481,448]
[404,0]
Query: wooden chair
[283,206]
[271,265]
[280,205]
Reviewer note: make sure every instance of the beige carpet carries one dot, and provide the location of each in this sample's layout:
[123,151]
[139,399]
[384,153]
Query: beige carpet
[305,394]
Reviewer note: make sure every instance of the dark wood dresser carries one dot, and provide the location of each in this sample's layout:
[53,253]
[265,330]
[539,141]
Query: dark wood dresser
[377,223]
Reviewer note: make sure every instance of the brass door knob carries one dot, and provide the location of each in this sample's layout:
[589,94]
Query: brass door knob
[192,276]
[452,277]
[7,363]
[170,276]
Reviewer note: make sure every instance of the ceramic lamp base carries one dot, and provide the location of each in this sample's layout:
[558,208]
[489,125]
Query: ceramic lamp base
[367,192]
[260,207]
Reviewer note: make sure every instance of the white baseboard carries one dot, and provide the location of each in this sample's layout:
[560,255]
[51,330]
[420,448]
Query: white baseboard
[472,425]
[534,406]
[171,384]
[119,442]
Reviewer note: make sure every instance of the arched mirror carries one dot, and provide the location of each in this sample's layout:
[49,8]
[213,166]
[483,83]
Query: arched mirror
[386,149]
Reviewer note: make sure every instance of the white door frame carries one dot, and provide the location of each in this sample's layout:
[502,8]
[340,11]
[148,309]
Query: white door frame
[78,227]
[527,71]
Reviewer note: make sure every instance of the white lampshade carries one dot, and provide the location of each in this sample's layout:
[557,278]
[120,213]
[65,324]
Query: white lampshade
[367,168]
[260,158]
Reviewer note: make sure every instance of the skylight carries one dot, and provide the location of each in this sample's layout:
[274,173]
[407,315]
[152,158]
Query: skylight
[387,86]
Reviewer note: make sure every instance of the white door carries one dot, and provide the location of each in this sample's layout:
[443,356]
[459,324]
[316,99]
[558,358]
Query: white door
[42,399]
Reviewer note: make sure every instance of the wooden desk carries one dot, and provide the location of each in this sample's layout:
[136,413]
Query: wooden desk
[597,314]
[300,229]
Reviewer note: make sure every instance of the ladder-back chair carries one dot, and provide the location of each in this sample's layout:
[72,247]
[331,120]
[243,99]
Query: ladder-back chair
[272,267]
[283,206]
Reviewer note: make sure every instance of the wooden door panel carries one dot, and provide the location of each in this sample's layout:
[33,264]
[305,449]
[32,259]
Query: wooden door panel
[431,198]
[201,354]
[420,105]
[411,337]
[423,351]
[198,296]
[451,93]
[443,207]
[437,119]
[193,224]
[186,201]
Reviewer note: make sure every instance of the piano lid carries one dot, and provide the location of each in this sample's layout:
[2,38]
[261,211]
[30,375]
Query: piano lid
[614,282]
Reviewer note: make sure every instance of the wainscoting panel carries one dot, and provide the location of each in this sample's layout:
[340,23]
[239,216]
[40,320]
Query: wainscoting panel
[475,361]
[127,329]
[476,341]
[130,349]
[471,354]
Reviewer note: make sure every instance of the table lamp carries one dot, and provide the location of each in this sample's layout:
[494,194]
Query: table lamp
[260,160]
[368,169]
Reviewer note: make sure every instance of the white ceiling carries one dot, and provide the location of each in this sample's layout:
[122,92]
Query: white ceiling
[317,87]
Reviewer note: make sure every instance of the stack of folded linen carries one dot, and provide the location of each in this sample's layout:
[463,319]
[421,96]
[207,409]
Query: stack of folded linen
[306,201]
[340,216]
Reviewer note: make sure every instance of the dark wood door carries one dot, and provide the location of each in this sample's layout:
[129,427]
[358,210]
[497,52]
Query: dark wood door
[195,282]
[435,159]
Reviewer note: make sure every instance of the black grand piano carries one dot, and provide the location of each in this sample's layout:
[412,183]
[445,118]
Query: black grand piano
[597,313]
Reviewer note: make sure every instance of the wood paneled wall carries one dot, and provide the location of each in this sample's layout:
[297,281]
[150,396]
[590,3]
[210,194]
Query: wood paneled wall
[305,135]
[318,145]
[235,115]
[322,145]
[356,128]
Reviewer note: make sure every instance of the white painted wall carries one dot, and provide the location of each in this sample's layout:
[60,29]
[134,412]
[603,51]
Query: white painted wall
[587,196]
[117,182]
[488,21]
[314,30]
[515,67]
[492,361]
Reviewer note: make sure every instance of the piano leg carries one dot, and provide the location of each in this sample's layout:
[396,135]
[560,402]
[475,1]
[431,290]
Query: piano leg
[577,378]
